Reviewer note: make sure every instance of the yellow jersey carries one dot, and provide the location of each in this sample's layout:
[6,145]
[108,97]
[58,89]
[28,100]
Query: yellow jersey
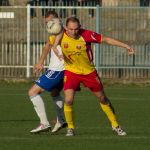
[78,55]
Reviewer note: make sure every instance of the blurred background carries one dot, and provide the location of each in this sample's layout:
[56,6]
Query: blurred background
[23,35]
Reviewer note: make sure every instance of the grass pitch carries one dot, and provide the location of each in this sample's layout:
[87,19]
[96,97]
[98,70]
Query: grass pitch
[132,104]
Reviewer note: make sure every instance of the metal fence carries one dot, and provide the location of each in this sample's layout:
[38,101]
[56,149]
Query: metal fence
[23,35]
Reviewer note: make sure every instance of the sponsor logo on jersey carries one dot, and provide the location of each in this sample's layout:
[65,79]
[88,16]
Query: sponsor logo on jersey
[66,45]
[78,47]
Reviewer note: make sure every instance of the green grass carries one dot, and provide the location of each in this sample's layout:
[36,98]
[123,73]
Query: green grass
[93,131]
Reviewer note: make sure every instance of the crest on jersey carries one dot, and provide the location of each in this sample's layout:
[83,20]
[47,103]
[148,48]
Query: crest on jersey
[66,45]
[78,47]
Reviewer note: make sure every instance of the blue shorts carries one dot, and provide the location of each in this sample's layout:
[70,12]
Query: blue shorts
[51,80]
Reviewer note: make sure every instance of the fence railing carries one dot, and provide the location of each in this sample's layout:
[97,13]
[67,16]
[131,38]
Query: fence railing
[22,37]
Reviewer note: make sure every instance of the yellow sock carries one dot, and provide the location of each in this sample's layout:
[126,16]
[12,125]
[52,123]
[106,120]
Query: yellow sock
[68,115]
[110,114]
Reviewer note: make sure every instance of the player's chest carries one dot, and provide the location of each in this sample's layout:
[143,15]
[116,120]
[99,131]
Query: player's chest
[73,45]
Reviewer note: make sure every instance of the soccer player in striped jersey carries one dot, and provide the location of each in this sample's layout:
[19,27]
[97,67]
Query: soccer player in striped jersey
[51,81]
[79,68]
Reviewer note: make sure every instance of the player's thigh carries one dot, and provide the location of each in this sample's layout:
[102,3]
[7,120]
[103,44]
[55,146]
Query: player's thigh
[50,79]
[35,89]
[71,81]
[92,81]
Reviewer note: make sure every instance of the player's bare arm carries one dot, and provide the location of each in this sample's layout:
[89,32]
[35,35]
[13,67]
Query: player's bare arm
[39,66]
[56,43]
[114,42]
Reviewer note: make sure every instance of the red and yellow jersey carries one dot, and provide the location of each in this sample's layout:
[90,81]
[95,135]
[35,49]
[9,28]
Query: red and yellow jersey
[78,55]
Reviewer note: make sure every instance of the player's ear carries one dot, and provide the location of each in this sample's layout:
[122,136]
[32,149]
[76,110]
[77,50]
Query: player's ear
[65,27]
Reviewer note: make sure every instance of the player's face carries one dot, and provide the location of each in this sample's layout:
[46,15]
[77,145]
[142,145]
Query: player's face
[72,29]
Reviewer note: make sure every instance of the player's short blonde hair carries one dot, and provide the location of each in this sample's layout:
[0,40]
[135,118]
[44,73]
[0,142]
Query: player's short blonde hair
[72,19]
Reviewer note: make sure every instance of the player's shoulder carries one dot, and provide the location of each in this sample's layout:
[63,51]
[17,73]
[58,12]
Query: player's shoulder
[51,36]
[85,31]
[90,36]
[51,39]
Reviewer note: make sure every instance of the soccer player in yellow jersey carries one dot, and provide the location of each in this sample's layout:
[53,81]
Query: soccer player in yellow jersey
[79,68]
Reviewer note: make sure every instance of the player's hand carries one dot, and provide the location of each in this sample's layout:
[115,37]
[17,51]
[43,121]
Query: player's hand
[130,50]
[38,68]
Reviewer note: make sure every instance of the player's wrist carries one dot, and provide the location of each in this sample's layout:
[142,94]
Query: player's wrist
[128,47]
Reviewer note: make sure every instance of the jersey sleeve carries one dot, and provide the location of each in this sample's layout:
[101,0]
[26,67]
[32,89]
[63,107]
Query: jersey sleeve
[51,40]
[91,36]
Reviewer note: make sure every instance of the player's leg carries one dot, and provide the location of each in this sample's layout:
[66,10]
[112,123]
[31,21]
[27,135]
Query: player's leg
[68,110]
[59,107]
[36,99]
[106,107]
[54,80]
[71,84]
[109,111]
[92,81]
[45,82]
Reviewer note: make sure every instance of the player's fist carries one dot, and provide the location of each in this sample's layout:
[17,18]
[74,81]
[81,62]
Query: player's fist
[38,68]
[130,50]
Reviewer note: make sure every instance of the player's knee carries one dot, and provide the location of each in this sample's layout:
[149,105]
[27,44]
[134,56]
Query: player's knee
[102,99]
[33,92]
[30,93]
[69,102]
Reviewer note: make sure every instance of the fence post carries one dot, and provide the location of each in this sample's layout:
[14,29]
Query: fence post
[28,41]
[97,46]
